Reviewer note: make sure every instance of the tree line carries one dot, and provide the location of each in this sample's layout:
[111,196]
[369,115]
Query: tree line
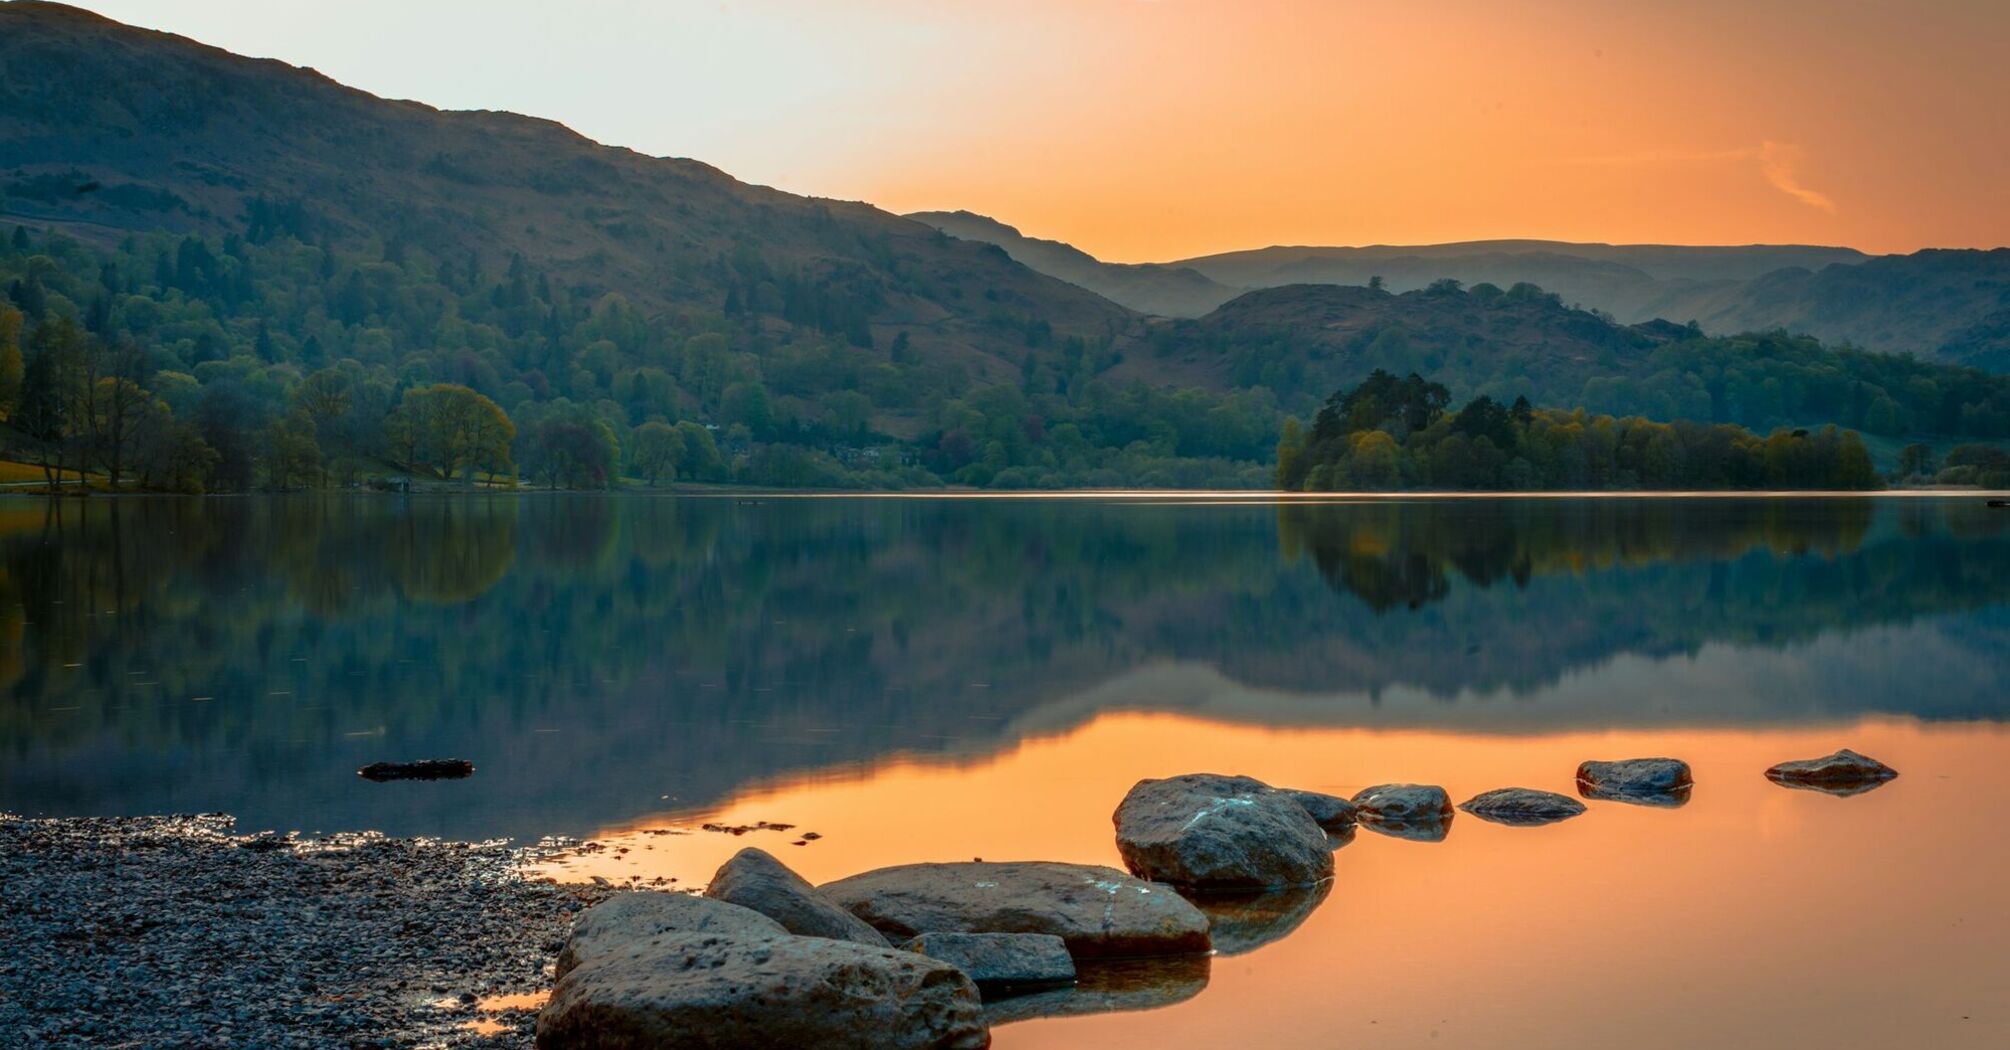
[1389,434]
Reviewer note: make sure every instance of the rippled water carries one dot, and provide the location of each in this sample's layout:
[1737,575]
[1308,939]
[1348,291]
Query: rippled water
[931,679]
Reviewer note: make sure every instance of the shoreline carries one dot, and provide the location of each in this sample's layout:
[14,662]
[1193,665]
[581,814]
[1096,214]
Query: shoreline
[177,930]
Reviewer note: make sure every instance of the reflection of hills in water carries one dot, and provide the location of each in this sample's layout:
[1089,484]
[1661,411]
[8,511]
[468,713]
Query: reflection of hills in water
[599,654]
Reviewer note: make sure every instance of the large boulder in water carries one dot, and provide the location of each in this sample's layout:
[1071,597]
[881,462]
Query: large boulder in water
[705,991]
[1844,772]
[1001,962]
[1522,807]
[754,879]
[1100,912]
[627,922]
[1642,781]
[1204,831]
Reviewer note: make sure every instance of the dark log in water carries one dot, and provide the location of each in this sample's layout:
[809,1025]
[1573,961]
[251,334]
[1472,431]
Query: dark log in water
[427,769]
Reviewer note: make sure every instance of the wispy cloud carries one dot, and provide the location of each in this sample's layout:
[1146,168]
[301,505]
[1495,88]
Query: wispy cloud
[1779,164]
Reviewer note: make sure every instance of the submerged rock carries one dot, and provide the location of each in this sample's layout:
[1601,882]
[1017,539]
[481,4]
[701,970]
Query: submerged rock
[1001,962]
[754,879]
[1843,773]
[1204,831]
[1098,911]
[1243,923]
[707,991]
[627,922]
[1110,986]
[1522,807]
[425,769]
[1641,781]
[1391,804]
[1328,811]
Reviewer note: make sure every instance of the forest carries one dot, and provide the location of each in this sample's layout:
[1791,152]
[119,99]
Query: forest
[1389,433]
[275,360]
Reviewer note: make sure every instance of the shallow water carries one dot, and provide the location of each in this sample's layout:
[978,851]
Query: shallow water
[942,679]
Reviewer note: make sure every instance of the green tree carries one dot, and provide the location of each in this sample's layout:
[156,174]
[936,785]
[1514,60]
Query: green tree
[448,429]
[655,450]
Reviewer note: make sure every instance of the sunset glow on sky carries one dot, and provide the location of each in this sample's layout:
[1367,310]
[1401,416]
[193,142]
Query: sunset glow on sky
[1157,129]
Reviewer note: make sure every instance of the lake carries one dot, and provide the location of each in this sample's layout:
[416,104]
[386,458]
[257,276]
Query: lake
[945,678]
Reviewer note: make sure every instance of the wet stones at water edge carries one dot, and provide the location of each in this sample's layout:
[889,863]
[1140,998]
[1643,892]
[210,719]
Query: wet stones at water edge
[1420,812]
[717,991]
[1522,807]
[1640,781]
[628,922]
[1100,912]
[1001,963]
[1207,832]
[425,769]
[754,879]
[1842,773]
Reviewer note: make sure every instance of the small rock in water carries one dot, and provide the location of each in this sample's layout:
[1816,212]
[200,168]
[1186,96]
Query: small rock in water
[1110,986]
[1843,773]
[1329,811]
[715,990]
[1205,831]
[754,879]
[1522,807]
[1001,962]
[1100,912]
[1641,781]
[425,769]
[1403,803]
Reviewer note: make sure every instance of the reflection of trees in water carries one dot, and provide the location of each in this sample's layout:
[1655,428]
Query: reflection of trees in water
[1394,555]
[667,634]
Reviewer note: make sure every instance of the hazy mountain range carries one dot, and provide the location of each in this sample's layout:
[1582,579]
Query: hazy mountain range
[1948,305]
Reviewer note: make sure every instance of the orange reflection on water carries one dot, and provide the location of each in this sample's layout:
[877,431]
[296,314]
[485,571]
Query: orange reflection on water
[1754,916]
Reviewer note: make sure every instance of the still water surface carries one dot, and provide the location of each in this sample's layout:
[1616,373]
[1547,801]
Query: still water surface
[945,679]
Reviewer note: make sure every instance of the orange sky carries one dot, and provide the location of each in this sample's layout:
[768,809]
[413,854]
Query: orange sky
[1155,129]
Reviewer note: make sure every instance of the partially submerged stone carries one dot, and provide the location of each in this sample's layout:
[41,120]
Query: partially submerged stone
[1242,923]
[1106,986]
[424,769]
[1641,781]
[1843,773]
[1204,831]
[708,991]
[1393,804]
[1522,807]
[754,879]
[1328,811]
[1100,912]
[628,922]
[1001,962]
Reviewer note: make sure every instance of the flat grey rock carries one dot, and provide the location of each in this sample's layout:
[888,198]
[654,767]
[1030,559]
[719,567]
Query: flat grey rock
[1837,773]
[629,921]
[754,879]
[1642,781]
[1001,961]
[708,991]
[1100,912]
[1522,807]
[1205,831]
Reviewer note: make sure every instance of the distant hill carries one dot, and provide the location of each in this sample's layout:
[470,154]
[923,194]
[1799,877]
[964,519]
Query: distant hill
[1943,304]
[1167,291]
[107,129]
[1307,340]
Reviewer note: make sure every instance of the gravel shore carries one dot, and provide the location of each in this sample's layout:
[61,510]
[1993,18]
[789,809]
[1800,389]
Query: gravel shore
[177,932]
